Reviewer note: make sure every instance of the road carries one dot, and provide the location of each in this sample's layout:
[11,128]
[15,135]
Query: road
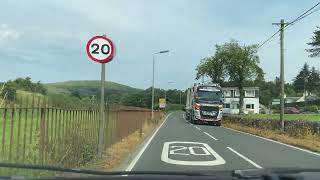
[180,146]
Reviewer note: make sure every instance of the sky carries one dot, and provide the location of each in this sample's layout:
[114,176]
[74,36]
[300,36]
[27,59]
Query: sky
[46,39]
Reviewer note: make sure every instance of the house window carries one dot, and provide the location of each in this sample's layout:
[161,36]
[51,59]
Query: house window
[249,106]
[227,93]
[237,93]
[227,105]
[235,106]
[249,93]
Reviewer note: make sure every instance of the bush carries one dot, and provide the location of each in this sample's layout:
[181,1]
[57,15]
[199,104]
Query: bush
[312,108]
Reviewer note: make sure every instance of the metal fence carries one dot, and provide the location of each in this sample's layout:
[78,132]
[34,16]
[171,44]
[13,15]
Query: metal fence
[36,132]
[292,127]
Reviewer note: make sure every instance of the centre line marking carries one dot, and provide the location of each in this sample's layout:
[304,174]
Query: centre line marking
[211,136]
[245,158]
[197,128]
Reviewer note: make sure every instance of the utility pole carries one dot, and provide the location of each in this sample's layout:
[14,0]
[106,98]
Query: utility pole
[281,73]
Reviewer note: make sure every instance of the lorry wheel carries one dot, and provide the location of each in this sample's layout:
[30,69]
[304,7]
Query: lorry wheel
[191,118]
[218,123]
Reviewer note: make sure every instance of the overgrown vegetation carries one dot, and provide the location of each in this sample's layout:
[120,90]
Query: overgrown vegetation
[307,117]
[10,87]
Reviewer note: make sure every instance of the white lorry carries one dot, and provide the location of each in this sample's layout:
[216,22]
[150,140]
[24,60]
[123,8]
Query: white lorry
[204,104]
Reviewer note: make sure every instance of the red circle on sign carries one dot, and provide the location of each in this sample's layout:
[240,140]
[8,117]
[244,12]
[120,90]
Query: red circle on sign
[108,58]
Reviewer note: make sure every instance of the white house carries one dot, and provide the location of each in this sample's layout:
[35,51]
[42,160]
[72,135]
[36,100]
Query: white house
[231,100]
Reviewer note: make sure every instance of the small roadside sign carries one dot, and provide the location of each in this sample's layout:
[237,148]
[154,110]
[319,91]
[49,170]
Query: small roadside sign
[100,49]
[162,103]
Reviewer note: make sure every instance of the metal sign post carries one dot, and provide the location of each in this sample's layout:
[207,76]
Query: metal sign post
[102,118]
[101,49]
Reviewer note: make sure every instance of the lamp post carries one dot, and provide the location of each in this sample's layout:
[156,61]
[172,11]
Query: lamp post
[153,59]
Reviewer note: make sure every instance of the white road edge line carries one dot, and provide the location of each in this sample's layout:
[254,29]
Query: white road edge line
[245,158]
[274,141]
[210,136]
[197,128]
[135,160]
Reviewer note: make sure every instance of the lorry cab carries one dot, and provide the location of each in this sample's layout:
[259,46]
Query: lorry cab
[204,104]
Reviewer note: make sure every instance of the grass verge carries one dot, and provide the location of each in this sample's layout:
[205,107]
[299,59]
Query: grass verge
[118,152]
[309,141]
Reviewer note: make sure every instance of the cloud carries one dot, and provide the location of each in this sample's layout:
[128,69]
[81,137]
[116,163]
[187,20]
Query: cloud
[8,34]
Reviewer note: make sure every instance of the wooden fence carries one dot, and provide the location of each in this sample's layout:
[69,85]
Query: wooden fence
[38,133]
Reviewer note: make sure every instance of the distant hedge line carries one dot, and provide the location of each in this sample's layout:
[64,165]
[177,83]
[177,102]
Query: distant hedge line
[293,128]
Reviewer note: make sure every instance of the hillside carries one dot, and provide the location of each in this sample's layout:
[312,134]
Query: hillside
[87,87]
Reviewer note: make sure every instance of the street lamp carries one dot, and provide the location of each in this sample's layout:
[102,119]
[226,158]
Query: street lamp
[153,59]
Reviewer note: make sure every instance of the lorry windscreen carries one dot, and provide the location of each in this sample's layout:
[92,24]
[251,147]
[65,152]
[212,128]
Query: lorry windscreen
[208,95]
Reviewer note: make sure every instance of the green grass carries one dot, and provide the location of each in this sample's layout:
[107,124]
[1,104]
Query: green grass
[25,134]
[308,117]
[87,85]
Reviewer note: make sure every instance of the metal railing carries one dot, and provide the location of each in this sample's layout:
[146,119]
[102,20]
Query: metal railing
[39,133]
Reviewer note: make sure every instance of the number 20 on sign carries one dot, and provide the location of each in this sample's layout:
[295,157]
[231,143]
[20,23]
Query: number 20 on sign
[100,49]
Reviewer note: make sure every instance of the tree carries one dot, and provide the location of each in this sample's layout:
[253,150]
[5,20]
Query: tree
[9,91]
[315,44]
[300,81]
[76,94]
[307,80]
[213,68]
[313,80]
[239,64]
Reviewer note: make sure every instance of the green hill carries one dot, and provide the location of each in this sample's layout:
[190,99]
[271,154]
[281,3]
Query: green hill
[88,87]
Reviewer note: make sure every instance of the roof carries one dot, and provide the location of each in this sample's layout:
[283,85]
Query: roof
[245,88]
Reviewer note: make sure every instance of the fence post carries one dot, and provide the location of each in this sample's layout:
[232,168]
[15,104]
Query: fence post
[19,128]
[42,133]
[25,129]
[32,114]
[11,132]
[4,129]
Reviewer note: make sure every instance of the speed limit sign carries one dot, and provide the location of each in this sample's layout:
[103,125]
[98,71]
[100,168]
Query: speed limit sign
[100,49]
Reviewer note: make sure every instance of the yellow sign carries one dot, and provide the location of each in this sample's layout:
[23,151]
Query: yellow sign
[162,102]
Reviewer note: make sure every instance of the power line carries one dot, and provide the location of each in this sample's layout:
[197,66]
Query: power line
[269,39]
[299,18]
[303,15]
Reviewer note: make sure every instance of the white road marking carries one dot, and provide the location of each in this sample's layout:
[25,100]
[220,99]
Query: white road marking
[211,136]
[165,154]
[245,158]
[135,160]
[274,141]
[197,128]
